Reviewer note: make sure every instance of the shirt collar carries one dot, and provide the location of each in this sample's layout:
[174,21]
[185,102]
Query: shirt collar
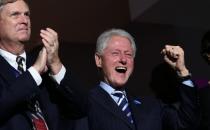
[11,58]
[108,88]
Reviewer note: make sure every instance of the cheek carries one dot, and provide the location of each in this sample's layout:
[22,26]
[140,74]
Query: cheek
[29,23]
[108,69]
[131,63]
[131,66]
[109,61]
[8,29]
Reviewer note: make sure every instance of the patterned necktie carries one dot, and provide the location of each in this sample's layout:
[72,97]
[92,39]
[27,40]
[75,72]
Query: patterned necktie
[19,61]
[37,118]
[35,111]
[123,104]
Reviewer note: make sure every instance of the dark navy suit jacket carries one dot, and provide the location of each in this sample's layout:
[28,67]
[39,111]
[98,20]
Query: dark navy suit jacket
[148,114]
[55,105]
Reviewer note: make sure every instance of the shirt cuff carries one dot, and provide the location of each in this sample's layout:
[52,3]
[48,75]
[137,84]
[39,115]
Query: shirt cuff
[36,76]
[186,80]
[58,77]
[188,83]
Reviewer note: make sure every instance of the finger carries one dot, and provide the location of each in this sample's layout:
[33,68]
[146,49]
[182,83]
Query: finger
[46,45]
[55,36]
[43,54]
[44,51]
[176,55]
[173,54]
[163,51]
[46,35]
[168,47]
[50,36]
[53,32]
[47,41]
[45,68]
[167,60]
[49,33]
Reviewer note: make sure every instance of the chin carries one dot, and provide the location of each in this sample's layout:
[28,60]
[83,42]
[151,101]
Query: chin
[24,39]
[120,84]
[120,87]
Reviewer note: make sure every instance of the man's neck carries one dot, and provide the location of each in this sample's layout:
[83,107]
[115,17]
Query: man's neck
[14,48]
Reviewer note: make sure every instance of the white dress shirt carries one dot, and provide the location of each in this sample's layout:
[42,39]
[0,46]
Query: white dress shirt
[110,91]
[11,59]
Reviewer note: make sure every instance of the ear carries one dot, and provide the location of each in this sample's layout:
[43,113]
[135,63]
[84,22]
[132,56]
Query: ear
[98,60]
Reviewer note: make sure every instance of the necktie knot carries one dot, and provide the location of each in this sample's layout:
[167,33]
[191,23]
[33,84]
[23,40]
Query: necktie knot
[118,94]
[19,61]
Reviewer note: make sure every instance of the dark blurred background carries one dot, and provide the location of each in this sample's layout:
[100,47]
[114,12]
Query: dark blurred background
[153,23]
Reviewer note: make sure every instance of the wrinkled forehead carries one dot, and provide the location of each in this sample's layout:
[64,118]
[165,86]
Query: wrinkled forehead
[4,2]
[11,5]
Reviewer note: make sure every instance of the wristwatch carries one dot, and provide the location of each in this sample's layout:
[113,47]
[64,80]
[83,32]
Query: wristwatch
[184,78]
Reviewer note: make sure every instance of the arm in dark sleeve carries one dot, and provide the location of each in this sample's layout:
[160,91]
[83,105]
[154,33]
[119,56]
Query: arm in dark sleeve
[71,97]
[187,113]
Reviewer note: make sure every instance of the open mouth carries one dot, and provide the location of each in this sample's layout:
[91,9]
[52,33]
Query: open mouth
[23,29]
[121,69]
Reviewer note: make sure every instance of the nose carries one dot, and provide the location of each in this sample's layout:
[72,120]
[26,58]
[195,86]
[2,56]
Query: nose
[123,59]
[24,19]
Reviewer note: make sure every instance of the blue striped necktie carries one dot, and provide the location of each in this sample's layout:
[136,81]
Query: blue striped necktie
[123,104]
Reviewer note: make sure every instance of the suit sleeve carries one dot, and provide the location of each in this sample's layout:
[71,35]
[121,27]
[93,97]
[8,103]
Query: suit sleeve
[71,97]
[184,115]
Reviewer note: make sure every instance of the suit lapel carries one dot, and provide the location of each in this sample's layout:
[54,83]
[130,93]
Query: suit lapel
[108,103]
[136,110]
[6,70]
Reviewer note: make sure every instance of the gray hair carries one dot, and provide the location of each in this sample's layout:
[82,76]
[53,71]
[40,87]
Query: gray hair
[103,39]
[4,2]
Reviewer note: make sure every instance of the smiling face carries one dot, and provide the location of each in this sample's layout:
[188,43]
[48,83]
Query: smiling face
[15,23]
[117,61]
